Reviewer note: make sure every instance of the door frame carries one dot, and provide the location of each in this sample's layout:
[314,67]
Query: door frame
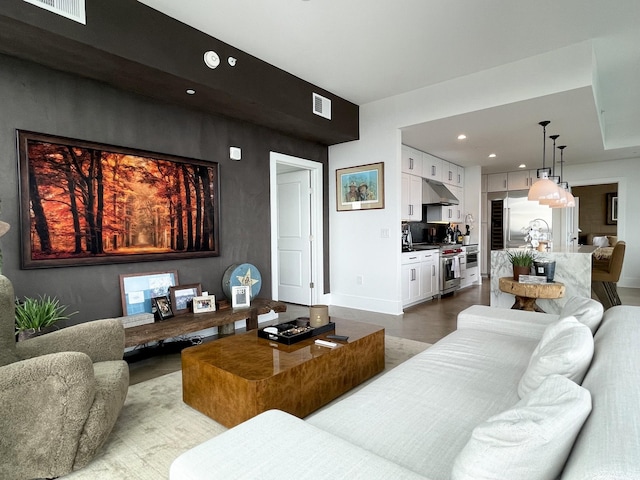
[317,220]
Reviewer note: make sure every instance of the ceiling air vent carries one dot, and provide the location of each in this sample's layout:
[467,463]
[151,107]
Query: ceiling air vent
[73,9]
[321,106]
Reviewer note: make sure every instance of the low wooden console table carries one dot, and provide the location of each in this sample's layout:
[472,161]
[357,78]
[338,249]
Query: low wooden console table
[527,293]
[193,322]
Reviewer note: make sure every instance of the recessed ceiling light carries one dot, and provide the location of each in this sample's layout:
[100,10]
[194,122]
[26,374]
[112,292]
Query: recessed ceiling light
[191,91]
[462,136]
[492,155]
[522,165]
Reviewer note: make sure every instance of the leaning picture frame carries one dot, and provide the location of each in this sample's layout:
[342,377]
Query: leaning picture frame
[138,289]
[205,303]
[240,296]
[182,297]
[162,307]
[360,188]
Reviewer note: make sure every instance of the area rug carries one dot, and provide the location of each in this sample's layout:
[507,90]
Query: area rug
[155,426]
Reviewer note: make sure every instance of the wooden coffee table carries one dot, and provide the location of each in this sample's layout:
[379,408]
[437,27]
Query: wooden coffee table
[238,377]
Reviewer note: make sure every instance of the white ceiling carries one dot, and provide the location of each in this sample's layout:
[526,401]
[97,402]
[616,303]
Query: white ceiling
[364,50]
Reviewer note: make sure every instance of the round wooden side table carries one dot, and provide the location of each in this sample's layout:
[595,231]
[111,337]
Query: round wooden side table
[527,293]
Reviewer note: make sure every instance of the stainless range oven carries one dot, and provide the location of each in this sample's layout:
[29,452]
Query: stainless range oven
[449,268]
[472,255]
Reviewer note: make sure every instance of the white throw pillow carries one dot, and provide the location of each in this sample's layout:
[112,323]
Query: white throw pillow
[600,242]
[530,441]
[585,310]
[566,348]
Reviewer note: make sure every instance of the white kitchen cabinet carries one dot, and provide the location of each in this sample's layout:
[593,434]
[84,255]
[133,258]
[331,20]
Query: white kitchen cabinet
[411,198]
[463,271]
[472,277]
[497,182]
[441,214]
[410,278]
[431,167]
[429,269]
[521,179]
[458,210]
[449,173]
[459,176]
[411,161]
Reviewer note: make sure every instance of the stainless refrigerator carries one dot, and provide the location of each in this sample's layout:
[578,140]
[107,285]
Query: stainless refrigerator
[511,212]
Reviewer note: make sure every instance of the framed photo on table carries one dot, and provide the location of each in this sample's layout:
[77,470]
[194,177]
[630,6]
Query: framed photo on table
[162,307]
[138,289]
[240,296]
[360,188]
[182,297]
[205,303]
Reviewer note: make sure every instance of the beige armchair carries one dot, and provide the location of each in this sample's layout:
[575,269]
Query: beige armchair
[605,276]
[60,394]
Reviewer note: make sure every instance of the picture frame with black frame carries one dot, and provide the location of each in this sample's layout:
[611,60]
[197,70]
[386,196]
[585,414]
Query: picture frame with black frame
[182,297]
[205,303]
[162,308]
[612,208]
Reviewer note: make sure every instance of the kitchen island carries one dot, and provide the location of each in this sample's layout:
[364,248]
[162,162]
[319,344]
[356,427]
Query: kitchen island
[573,269]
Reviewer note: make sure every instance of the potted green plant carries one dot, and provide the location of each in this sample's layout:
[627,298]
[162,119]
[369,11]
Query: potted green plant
[36,316]
[522,261]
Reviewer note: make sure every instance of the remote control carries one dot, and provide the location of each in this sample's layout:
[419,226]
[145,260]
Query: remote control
[324,343]
[344,338]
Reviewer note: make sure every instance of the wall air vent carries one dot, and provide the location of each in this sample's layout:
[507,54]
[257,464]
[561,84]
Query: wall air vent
[322,106]
[72,9]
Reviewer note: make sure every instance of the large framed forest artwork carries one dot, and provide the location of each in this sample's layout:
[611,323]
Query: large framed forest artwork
[87,203]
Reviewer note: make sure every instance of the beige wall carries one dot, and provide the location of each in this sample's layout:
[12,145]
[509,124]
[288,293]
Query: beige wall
[593,208]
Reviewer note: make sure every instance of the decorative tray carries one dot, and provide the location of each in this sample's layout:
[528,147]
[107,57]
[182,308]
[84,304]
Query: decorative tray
[295,331]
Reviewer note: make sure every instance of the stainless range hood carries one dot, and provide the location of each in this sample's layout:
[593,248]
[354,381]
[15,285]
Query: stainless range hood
[436,193]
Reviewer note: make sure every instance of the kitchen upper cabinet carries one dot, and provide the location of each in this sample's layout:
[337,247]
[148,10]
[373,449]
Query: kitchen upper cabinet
[458,210]
[521,179]
[432,167]
[442,214]
[411,161]
[449,173]
[459,176]
[411,198]
[497,182]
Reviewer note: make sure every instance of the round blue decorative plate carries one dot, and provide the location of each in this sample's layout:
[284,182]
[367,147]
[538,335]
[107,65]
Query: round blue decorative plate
[242,274]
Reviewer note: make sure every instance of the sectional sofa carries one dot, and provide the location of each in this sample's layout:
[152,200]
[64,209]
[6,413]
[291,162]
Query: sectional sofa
[498,398]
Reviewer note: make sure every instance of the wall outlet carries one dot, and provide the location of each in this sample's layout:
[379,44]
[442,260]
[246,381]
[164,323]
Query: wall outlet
[384,233]
[359,279]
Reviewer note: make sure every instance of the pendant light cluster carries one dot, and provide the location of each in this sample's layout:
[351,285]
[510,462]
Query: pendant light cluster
[550,189]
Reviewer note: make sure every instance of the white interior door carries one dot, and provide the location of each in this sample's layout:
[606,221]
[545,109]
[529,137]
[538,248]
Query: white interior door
[294,237]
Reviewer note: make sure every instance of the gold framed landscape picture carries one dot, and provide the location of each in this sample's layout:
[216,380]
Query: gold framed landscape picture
[360,188]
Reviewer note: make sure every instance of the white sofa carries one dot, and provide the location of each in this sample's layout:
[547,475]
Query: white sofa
[415,420]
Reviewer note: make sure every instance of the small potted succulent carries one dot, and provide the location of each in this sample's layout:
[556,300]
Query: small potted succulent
[37,316]
[522,261]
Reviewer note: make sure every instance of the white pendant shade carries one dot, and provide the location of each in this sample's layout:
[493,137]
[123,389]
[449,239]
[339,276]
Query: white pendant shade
[543,189]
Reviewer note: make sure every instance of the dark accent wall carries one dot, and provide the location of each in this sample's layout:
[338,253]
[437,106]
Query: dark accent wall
[134,47]
[43,100]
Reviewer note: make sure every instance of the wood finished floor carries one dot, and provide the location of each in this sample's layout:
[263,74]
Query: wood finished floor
[427,322]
